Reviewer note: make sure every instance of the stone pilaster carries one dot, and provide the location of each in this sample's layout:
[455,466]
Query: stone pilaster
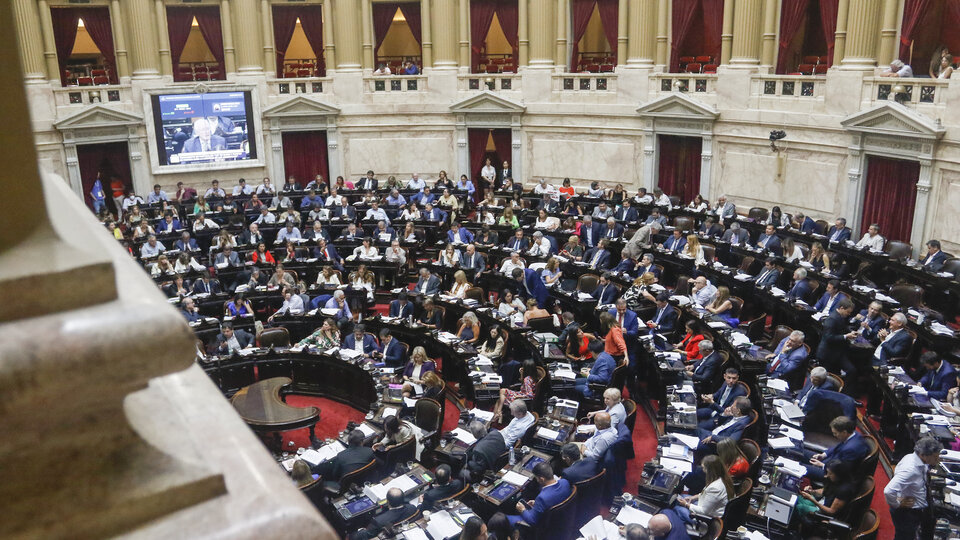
[329,47]
[346,14]
[726,35]
[623,14]
[888,35]
[542,25]
[163,36]
[463,22]
[28,37]
[663,32]
[523,33]
[445,22]
[246,21]
[768,57]
[426,33]
[366,24]
[119,40]
[49,45]
[269,50]
[747,27]
[840,39]
[141,25]
[226,25]
[563,23]
[863,25]
[642,34]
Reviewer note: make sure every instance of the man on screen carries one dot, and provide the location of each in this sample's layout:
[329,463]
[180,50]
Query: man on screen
[203,139]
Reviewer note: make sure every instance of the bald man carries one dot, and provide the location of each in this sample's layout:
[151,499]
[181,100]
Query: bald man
[603,438]
[667,525]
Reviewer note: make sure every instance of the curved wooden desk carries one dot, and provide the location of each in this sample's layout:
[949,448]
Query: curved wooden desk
[262,408]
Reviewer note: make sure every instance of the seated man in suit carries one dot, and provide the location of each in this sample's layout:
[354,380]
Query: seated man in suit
[801,286]
[553,491]
[354,456]
[602,439]
[226,258]
[710,228]
[626,265]
[589,232]
[770,241]
[736,235]
[851,449]
[646,265]
[397,510]
[831,298]
[676,242]
[731,425]
[360,341]
[720,402]
[190,311]
[328,253]
[769,276]
[606,292]
[518,242]
[205,285]
[871,322]
[804,223]
[626,213]
[471,260]
[231,340]
[599,373]
[392,353]
[611,230]
[577,468]
[185,243]
[428,284]
[401,307]
[940,377]
[789,356]
[817,380]
[895,341]
[344,211]
[443,486]
[432,214]
[458,235]
[655,216]
[839,232]
[598,258]
[935,258]
[705,369]
[664,319]
[484,453]
[667,525]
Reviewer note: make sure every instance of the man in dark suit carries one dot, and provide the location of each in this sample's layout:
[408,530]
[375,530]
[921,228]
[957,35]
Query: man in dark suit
[205,285]
[817,380]
[935,258]
[397,511]
[428,284]
[589,232]
[676,242]
[252,236]
[443,487]
[433,214]
[393,352]
[401,307]
[359,336]
[472,260]
[940,376]
[735,235]
[484,453]
[598,258]
[895,340]
[770,241]
[577,468]
[185,243]
[227,257]
[553,491]
[646,265]
[457,235]
[769,276]
[626,213]
[367,183]
[664,319]
[203,139]
[789,356]
[839,232]
[710,228]
[835,341]
[351,458]
[718,404]
[831,298]
[731,426]
[230,340]
[548,204]
[327,253]
[655,216]
[611,230]
[851,449]
[627,319]
[871,321]
[344,211]
[801,286]
[606,292]
[518,242]
[705,369]
[190,312]
[804,223]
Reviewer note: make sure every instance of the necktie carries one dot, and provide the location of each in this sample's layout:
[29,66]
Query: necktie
[659,314]
[204,146]
[836,234]
[610,234]
[596,258]
[620,318]
[776,362]
[765,240]
[763,276]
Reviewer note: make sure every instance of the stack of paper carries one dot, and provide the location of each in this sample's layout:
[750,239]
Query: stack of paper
[564,374]
[600,529]
[629,514]
[793,433]
[376,492]
[687,440]
[678,466]
[548,434]
[780,442]
[366,430]
[516,479]
[678,451]
[482,415]
[790,466]
[464,435]
[403,482]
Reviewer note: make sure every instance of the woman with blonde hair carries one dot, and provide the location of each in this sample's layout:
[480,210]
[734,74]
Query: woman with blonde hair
[449,257]
[723,307]
[469,330]
[507,218]
[639,291]
[534,311]
[418,366]
[460,284]
[327,277]
[818,258]
[573,249]
[694,250]
[551,273]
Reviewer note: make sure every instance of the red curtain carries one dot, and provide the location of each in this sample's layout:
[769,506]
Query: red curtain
[503,142]
[284,24]
[828,17]
[64,35]
[108,159]
[311,20]
[179,20]
[477,139]
[208,18]
[793,14]
[481,16]
[609,11]
[509,17]
[913,11]
[712,27]
[683,14]
[305,155]
[890,196]
[679,168]
[411,12]
[97,23]
[382,19]
[582,10]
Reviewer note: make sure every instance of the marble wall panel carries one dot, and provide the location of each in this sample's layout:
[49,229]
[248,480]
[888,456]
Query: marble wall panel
[583,161]
[946,204]
[400,154]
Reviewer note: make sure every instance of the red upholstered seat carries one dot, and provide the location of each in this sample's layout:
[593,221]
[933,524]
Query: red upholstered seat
[710,68]
[694,67]
[806,69]
[705,59]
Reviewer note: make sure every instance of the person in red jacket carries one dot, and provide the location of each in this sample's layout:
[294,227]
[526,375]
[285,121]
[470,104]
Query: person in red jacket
[690,344]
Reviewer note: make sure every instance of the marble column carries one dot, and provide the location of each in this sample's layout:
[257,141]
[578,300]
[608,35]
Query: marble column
[747,27]
[542,24]
[706,158]
[426,33]
[346,14]
[366,25]
[163,36]
[229,54]
[888,33]
[28,37]
[49,45]
[623,13]
[119,40]
[266,26]
[863,25]
[642,41]
[249,51]
[726,35]
[663,30]
[523,34]
[768,58]
[445,23]
[563,23]
[144,58]
[329,47]
[463,21]
[840,37]
[921,204]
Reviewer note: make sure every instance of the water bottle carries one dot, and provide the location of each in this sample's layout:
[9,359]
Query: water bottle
[513,457]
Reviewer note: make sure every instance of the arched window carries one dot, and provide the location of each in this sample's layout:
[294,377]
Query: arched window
[298,35]
[594,35]
[396,29]
[494,41]
[84,41]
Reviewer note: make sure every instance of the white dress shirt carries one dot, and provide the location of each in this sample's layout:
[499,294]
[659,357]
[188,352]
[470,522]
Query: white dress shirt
[378,214]
[507,267]
[871,242]
[598,443]
[541,248]
[365,253]
[293,306]
[909,480]
[516,428]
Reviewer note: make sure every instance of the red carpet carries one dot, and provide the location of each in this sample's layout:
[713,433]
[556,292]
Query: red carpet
[333,419]
[645,448]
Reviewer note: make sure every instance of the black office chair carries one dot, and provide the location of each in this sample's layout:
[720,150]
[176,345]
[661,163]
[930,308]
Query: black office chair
[589,498]
[356,477]
[752,451]
[869,526]
[428,416]
[735,513]
[630,406]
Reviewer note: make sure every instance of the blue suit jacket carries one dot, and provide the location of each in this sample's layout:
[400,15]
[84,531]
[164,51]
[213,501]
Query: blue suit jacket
[393,354]
[162,227]
[397,311]
[773,245]
[939,382]
[422,199]
[580,470]
[793,360]
[675,244]
[822,303]
[707,368]
[190,246]
[847,403]
[433,285]
[808,387]
[369,344]
[735,392]
[735,431]
[626,216]
[668,320]
[769,280]
[631,323]
[535,286]
[644,269]
[874,326]
[465,236]
[626,265]
[602,263]
[518,245]
[605,294]
[851,450]
[329,254]
[549,497]
[800,290]
[435,215]
[935,263]
[842,237]
[590,240]
[602,369]
[617,231]
[808,225]
[896,346]
[336,213]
